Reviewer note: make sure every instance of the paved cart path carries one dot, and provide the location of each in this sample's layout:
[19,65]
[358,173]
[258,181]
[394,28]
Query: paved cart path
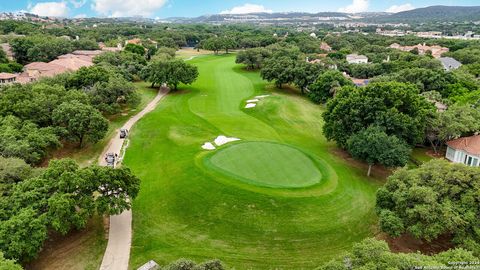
[117,254]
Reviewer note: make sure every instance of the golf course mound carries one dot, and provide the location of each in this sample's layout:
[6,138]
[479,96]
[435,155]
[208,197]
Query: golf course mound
[266,164]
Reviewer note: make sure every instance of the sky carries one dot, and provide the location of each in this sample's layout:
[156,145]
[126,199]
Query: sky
[193,8]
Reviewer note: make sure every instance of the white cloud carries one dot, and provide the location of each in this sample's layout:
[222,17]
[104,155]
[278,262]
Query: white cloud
[355,7]
[400,8]
[247,8]
[78,3]
[52,9]
[125,8]
[80,16]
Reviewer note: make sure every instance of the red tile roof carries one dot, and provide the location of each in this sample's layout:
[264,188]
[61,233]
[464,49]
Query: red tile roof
[470,144]
[7,76]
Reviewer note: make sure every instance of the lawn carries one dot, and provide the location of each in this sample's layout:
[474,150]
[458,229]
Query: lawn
[278,199]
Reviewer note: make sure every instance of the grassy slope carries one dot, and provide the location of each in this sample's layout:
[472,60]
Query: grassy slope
[184,210]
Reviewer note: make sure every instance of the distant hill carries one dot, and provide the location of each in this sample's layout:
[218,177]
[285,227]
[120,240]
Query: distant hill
[436,13]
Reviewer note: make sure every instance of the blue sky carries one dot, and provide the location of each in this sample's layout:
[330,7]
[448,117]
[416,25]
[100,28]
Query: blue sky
[191,8]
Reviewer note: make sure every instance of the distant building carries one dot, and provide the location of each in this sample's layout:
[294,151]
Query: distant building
[464,150]
[313,35]
[449,63]
[135,41]
[325,47]
[357,59]
[6,78]
[436,50]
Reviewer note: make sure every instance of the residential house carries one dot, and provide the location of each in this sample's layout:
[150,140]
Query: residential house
[325,47]
[436,50]
[357,59]
[465,150]
[449,63]
[6,78]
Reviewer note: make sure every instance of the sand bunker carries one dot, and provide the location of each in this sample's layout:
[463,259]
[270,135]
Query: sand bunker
[250,105]
[263,96]
[253,100]
[208,146]
[221,140]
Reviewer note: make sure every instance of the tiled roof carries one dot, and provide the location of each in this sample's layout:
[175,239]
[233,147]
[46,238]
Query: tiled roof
[7,76]
[470,144]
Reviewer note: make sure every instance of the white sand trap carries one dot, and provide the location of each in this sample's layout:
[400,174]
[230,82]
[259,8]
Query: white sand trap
[263,96]
[208,146]
[253,100]
[221,140]
[250,105]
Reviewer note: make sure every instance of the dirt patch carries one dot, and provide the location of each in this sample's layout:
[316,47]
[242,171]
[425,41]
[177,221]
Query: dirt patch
[75,250]
[408,244]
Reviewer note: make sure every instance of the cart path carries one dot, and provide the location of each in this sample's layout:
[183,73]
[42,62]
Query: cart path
[117,254]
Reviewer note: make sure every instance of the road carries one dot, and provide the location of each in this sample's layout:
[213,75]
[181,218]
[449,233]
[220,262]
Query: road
[117,254]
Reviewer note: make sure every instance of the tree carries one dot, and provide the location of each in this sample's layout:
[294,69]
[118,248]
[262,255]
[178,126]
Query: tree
[374,146]
[24,139]
[82,122]
[172,72]
[128,64]
[374,254]
[305,74]
[62,197]
[437,198]
[279,70]
[456,121]
[212,44]
[12,171]
[112,95]
[6,264]
[184,264]
[326,85]
[253,58]
[134,48]
[396,107]
[86,77]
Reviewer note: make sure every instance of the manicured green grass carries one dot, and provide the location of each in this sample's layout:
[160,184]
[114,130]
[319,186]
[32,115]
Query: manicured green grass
[266,164]
[186,209]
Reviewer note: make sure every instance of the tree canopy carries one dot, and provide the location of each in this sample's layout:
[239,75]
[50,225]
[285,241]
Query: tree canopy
[61,198]
[374,254]
[171,72]
[394,106]
[438,198]
[374,146]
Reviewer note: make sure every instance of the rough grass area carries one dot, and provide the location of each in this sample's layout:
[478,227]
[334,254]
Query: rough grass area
[266,164]
[185,210]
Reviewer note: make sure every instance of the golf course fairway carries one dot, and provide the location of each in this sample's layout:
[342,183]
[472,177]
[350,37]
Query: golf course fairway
[279,198]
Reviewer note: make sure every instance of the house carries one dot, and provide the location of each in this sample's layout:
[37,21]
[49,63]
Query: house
[436,50]
[449,63]
[325,47]
[464,150]
[135,41]
[36,70]
[357,59]
[7,78]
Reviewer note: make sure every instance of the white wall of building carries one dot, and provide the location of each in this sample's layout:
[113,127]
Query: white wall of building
[459,156]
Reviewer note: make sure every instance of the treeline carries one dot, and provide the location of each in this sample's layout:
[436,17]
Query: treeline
[35,202]
[36,118]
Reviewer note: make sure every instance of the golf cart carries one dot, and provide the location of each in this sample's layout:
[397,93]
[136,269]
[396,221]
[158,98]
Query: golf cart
[123,133]
[110,159]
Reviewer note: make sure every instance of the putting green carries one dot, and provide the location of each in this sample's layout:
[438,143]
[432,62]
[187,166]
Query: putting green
[266,164]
